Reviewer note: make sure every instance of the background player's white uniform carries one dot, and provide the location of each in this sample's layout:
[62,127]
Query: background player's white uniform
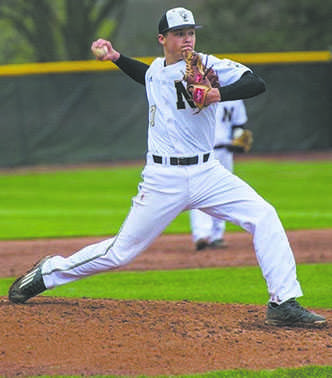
[177,132]
[228,115]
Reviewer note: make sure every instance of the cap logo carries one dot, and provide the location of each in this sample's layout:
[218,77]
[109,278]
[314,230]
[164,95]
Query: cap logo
[184,15]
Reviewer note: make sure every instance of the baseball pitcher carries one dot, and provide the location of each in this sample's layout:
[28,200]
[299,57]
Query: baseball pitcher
[181,173]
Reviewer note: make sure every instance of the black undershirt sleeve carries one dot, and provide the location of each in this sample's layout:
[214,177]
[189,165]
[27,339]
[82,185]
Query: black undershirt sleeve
[249,85]
[133,68]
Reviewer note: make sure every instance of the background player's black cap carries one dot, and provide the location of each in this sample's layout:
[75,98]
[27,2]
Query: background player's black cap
[177,18]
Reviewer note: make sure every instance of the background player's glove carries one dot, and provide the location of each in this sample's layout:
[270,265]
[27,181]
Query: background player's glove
[199,78]
[242,140]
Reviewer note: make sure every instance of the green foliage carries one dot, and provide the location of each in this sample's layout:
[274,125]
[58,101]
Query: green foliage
[56,29]
[223,285]
[46,30]
[13,46]
[95,202]
[280,25]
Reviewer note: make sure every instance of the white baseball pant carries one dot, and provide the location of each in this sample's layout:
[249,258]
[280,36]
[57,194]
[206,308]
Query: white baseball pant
[164,193]
[203,226]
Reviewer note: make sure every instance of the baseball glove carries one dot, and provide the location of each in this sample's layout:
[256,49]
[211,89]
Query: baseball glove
[200,79]
[243,140]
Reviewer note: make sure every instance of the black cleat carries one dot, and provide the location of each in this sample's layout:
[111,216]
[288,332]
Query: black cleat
[201,244]
[29,285]
[218,244]
[291,313]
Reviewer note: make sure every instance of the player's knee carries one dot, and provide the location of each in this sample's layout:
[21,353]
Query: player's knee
[262,214]
[268,213]
[120,259]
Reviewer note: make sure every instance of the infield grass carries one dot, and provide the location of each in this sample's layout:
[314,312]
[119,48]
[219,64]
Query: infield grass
[224,285]
[305,372]
[96,202]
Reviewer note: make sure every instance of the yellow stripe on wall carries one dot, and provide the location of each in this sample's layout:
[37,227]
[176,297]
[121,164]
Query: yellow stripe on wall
[281,57]
[55,67]
[93,65]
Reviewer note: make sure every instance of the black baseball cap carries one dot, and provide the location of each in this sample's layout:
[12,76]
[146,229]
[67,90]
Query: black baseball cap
[177,18]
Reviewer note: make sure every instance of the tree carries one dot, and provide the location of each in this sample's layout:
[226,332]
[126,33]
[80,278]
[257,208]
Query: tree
[278,25]
[60,29]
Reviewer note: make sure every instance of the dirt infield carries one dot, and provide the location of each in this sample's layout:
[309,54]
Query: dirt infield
[88,336]
[168,251]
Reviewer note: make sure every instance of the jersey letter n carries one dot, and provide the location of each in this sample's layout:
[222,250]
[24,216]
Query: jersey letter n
[228,114]
[181,92]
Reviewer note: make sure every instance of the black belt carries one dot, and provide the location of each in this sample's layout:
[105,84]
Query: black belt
[221,146]
[181,160]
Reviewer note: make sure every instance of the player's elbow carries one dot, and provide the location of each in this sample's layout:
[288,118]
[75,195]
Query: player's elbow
[261,86]
[255,84]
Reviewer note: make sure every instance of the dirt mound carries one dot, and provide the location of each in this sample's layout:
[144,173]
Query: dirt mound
[90,336]
[87,337]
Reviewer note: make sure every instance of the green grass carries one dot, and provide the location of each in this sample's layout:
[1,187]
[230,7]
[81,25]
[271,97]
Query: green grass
[224,285]
[95,202]
[300,191]
[305,372]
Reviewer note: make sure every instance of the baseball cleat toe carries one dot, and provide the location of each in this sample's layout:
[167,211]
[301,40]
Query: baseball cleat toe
[28,285]
[218,244]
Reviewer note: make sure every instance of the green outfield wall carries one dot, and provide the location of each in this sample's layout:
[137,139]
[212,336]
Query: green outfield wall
[76,112]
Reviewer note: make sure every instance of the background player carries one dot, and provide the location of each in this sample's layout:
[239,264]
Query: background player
[231,117]
[181,174]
